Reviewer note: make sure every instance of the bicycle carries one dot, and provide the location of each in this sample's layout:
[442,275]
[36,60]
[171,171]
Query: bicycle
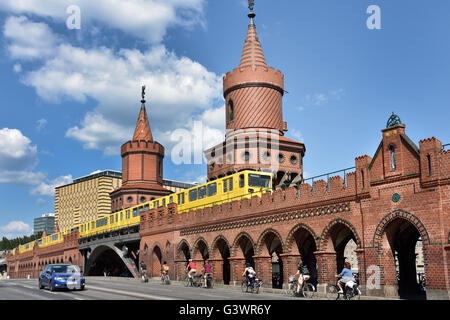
[308,290]
[209,281]
[192,281]
[165,279]
[350,291]
[254,289]
[144,277]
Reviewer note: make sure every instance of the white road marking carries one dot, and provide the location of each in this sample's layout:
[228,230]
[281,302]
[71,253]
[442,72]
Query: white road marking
[136,294]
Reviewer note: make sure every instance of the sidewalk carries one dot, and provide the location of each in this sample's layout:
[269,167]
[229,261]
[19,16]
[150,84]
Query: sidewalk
[229,287]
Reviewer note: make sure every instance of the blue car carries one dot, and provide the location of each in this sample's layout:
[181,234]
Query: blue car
[61,276]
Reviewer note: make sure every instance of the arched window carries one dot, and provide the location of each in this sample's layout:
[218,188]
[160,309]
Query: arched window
[392,153]
[231,109]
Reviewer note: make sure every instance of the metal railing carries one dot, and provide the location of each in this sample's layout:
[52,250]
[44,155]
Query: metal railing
[444,146]
[334,173]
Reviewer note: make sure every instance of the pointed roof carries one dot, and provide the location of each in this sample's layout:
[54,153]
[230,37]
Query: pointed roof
[142,131]
[252,54]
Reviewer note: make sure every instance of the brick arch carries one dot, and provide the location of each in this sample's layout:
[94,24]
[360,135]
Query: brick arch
[179,252]
[155,261]
[400,214]
[326,233]
[237,239]
[290,236]
[195,249]
[260,242]
[217,238]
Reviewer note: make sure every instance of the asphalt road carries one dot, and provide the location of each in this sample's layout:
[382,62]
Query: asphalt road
[121,289]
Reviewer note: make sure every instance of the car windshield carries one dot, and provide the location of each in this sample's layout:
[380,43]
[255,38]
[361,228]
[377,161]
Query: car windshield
[65,269]
[256,180]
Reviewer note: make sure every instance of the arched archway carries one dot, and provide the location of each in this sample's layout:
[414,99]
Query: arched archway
[302,240]
[335,237]
[243,247]
[221,248]
[200,249]
[400,238]
[107,260]
[156,261]
[271,244]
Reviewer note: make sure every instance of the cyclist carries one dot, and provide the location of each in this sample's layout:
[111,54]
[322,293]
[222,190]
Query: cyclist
[346,275]
[164,270]
[207,271]
[191,268]
[143,271]
[303,275]
[249,274]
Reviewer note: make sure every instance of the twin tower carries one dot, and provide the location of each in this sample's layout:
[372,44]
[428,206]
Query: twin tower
[254,137]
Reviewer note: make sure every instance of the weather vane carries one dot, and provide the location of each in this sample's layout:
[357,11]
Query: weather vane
[251,4]
[143,94]
[393,120]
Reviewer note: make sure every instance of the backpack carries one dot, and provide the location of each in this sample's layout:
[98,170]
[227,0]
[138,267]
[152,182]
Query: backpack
[304,270]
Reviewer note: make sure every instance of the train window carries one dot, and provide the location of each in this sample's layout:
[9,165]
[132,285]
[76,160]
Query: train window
[201,192]
[182,197]
[111,219]
[137,212]
[146,207]
[54,237]
[193,195]
[156,203]
[230,184]
[164,202]
[117,217]
[212,189]
[121,215]
[92,225]
[179,198]
[256,180]
[127,214]
[225,186]
[241,181]
[170,199]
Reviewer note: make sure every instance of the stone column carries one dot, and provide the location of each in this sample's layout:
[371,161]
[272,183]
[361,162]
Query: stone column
[326,269]
[217,266]
[290,263]
[263,268]
[237,266]
[177,270]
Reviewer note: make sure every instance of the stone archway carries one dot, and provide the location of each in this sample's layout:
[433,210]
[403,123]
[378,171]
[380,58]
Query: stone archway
[243,247]
[333,241]
[220,251]
[109,260]
[156,261]
[200,250]
[302,240]
[270,248]
[399,238]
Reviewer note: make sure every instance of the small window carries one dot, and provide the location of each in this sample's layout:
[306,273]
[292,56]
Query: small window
[182,198]
[225,186]
[111,219]
[146,207]
[231,109]
[201,192]
[92,225]
[293,159]
[135,212]
[212,189]
[179,198]
[230,184]
[143,199]
[246,156]
[241,181]
[392,152]
[121,215]
[130,199]
[193,195]
[164,202]
[170,199]
[156,203]
[429,164]
[117,217]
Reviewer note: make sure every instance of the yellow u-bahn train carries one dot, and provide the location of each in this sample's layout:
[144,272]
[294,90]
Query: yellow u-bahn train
[240,185]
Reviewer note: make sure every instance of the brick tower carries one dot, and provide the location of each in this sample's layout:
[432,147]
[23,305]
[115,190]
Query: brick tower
[255,139]
[142,166]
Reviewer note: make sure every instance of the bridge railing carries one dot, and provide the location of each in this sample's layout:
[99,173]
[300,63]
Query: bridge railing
[445,146]
[327,175]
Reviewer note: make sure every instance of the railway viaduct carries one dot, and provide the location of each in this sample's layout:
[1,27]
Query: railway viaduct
[385,205]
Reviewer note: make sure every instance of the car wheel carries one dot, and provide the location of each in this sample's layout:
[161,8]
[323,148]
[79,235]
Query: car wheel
[40,285]
[50,286]
[82,287]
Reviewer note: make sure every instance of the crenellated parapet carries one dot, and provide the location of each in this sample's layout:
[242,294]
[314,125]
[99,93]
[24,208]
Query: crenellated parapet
[434,162]
[142,146]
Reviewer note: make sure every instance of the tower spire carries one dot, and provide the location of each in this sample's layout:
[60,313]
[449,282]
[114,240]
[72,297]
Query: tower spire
[252,54]
[142,131]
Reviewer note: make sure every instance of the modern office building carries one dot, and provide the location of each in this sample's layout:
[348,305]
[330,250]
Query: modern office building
[45,222]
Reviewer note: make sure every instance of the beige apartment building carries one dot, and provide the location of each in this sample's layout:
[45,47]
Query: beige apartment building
[87,198]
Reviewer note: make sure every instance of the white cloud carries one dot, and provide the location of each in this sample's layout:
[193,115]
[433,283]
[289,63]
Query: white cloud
[15,229]
[17,68]
[16,151]
[296,134]
[320,99]
[29,40]
[41,123]
[48,188]
[148,20]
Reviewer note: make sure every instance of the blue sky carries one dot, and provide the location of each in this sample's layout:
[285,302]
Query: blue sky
[70,98]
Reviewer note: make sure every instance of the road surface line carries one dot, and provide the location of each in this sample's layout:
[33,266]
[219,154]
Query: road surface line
[136,294]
